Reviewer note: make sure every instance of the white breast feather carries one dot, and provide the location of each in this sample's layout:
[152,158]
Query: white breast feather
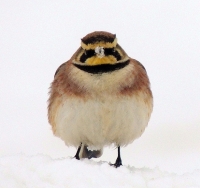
[100,123]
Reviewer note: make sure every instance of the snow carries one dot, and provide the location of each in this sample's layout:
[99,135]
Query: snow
[21,171]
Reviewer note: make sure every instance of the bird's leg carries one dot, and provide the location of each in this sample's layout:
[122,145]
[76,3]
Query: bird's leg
[77,153]
[118,162]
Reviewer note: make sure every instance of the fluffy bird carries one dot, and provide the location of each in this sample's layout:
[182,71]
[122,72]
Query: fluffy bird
[99,97]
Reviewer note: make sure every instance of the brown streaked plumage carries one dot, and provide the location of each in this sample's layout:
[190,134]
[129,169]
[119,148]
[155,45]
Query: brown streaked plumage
[99,97]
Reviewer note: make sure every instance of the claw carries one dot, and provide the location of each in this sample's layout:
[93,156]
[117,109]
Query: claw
[118,161]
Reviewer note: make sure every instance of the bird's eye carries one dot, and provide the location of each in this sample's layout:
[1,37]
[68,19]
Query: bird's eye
[86,54]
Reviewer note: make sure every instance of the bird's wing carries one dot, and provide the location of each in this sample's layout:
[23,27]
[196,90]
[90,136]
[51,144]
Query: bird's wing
[59,68]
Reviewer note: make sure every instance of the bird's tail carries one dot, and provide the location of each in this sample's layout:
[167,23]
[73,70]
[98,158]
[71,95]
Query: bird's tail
[86,153]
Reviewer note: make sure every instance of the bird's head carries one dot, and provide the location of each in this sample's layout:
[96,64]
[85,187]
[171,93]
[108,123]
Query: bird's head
[99,48]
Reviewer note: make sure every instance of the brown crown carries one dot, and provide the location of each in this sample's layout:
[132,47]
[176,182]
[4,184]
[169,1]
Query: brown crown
[98,36]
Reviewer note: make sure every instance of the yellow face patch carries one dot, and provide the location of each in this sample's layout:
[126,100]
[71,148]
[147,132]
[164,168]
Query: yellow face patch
[99,61]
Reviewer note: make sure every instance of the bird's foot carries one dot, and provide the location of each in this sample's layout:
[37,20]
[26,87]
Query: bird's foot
[118,163]
[77,157]
[77,153]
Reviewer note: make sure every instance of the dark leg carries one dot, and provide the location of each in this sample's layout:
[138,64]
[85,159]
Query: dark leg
[118,162]
[77,153]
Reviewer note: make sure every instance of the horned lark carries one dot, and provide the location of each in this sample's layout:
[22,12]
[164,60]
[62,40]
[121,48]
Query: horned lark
[99,97]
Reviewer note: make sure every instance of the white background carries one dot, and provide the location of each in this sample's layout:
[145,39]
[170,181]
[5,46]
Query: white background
[37,36]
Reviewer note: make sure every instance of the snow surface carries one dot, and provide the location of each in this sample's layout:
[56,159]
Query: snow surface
[20,171]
